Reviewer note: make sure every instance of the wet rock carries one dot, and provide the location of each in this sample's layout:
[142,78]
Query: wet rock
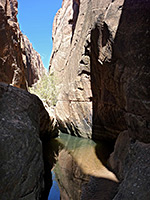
[20,65]
[22,116]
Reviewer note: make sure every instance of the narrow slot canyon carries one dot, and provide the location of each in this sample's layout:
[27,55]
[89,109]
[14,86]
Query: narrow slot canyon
[81,130]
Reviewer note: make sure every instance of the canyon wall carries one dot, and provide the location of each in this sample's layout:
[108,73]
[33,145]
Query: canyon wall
[20,64]
[70,64]
[101,62]
[84,104]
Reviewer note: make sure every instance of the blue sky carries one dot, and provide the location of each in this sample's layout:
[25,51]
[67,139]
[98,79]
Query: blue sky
[36,21]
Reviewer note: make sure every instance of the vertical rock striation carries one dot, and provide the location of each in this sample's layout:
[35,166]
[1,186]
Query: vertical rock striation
[76,64]
[101,60]
[70,63]
[32,62]
[20,65]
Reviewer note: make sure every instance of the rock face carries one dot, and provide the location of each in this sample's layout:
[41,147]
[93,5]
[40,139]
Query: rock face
[20,65]
[23,120]
[100,58]
[70,63]
[101,61]
[32,62]
[131,163]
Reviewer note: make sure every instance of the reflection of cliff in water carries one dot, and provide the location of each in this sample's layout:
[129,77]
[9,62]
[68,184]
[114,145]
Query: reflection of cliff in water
[79,170]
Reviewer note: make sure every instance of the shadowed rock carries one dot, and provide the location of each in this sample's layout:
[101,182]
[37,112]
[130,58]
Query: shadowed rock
[103,74]
[104,83]
[22,168]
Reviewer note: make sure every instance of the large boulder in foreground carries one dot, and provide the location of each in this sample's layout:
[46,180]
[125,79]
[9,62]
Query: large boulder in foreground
[22,167]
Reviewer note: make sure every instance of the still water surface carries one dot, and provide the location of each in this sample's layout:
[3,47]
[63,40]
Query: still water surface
[79,168]
[54,192]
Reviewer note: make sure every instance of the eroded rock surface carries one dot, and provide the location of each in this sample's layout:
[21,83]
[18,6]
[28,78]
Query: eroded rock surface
[100,59]
[20,65]
[32,62]
[102,65]
[131,163]
[70,63]
[23,120]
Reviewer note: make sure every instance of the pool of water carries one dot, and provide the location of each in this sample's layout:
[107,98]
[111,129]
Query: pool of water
[54,192]
[79,169]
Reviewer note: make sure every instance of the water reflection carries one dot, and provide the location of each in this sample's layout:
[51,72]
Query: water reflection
[80,169]
[54,192]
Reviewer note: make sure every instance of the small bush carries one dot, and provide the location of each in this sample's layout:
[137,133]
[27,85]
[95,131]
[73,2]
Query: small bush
[45,89]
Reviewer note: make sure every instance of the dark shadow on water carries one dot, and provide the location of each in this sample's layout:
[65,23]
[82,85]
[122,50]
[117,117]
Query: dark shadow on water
[51,150]
[103,150]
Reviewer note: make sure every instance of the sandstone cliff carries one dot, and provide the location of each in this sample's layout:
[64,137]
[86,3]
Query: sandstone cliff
[70,63]
[101,60]
[32,62]
[20,65]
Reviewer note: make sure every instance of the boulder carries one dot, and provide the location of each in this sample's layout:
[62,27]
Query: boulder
[23,121]
[130,161]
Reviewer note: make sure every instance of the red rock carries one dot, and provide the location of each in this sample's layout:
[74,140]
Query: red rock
[101,64]
[102,67]
[20,65]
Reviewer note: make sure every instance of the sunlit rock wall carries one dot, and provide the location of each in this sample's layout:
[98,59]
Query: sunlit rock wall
[32,62]
[100,60]
[20,65]
[70,63]
[75,63]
